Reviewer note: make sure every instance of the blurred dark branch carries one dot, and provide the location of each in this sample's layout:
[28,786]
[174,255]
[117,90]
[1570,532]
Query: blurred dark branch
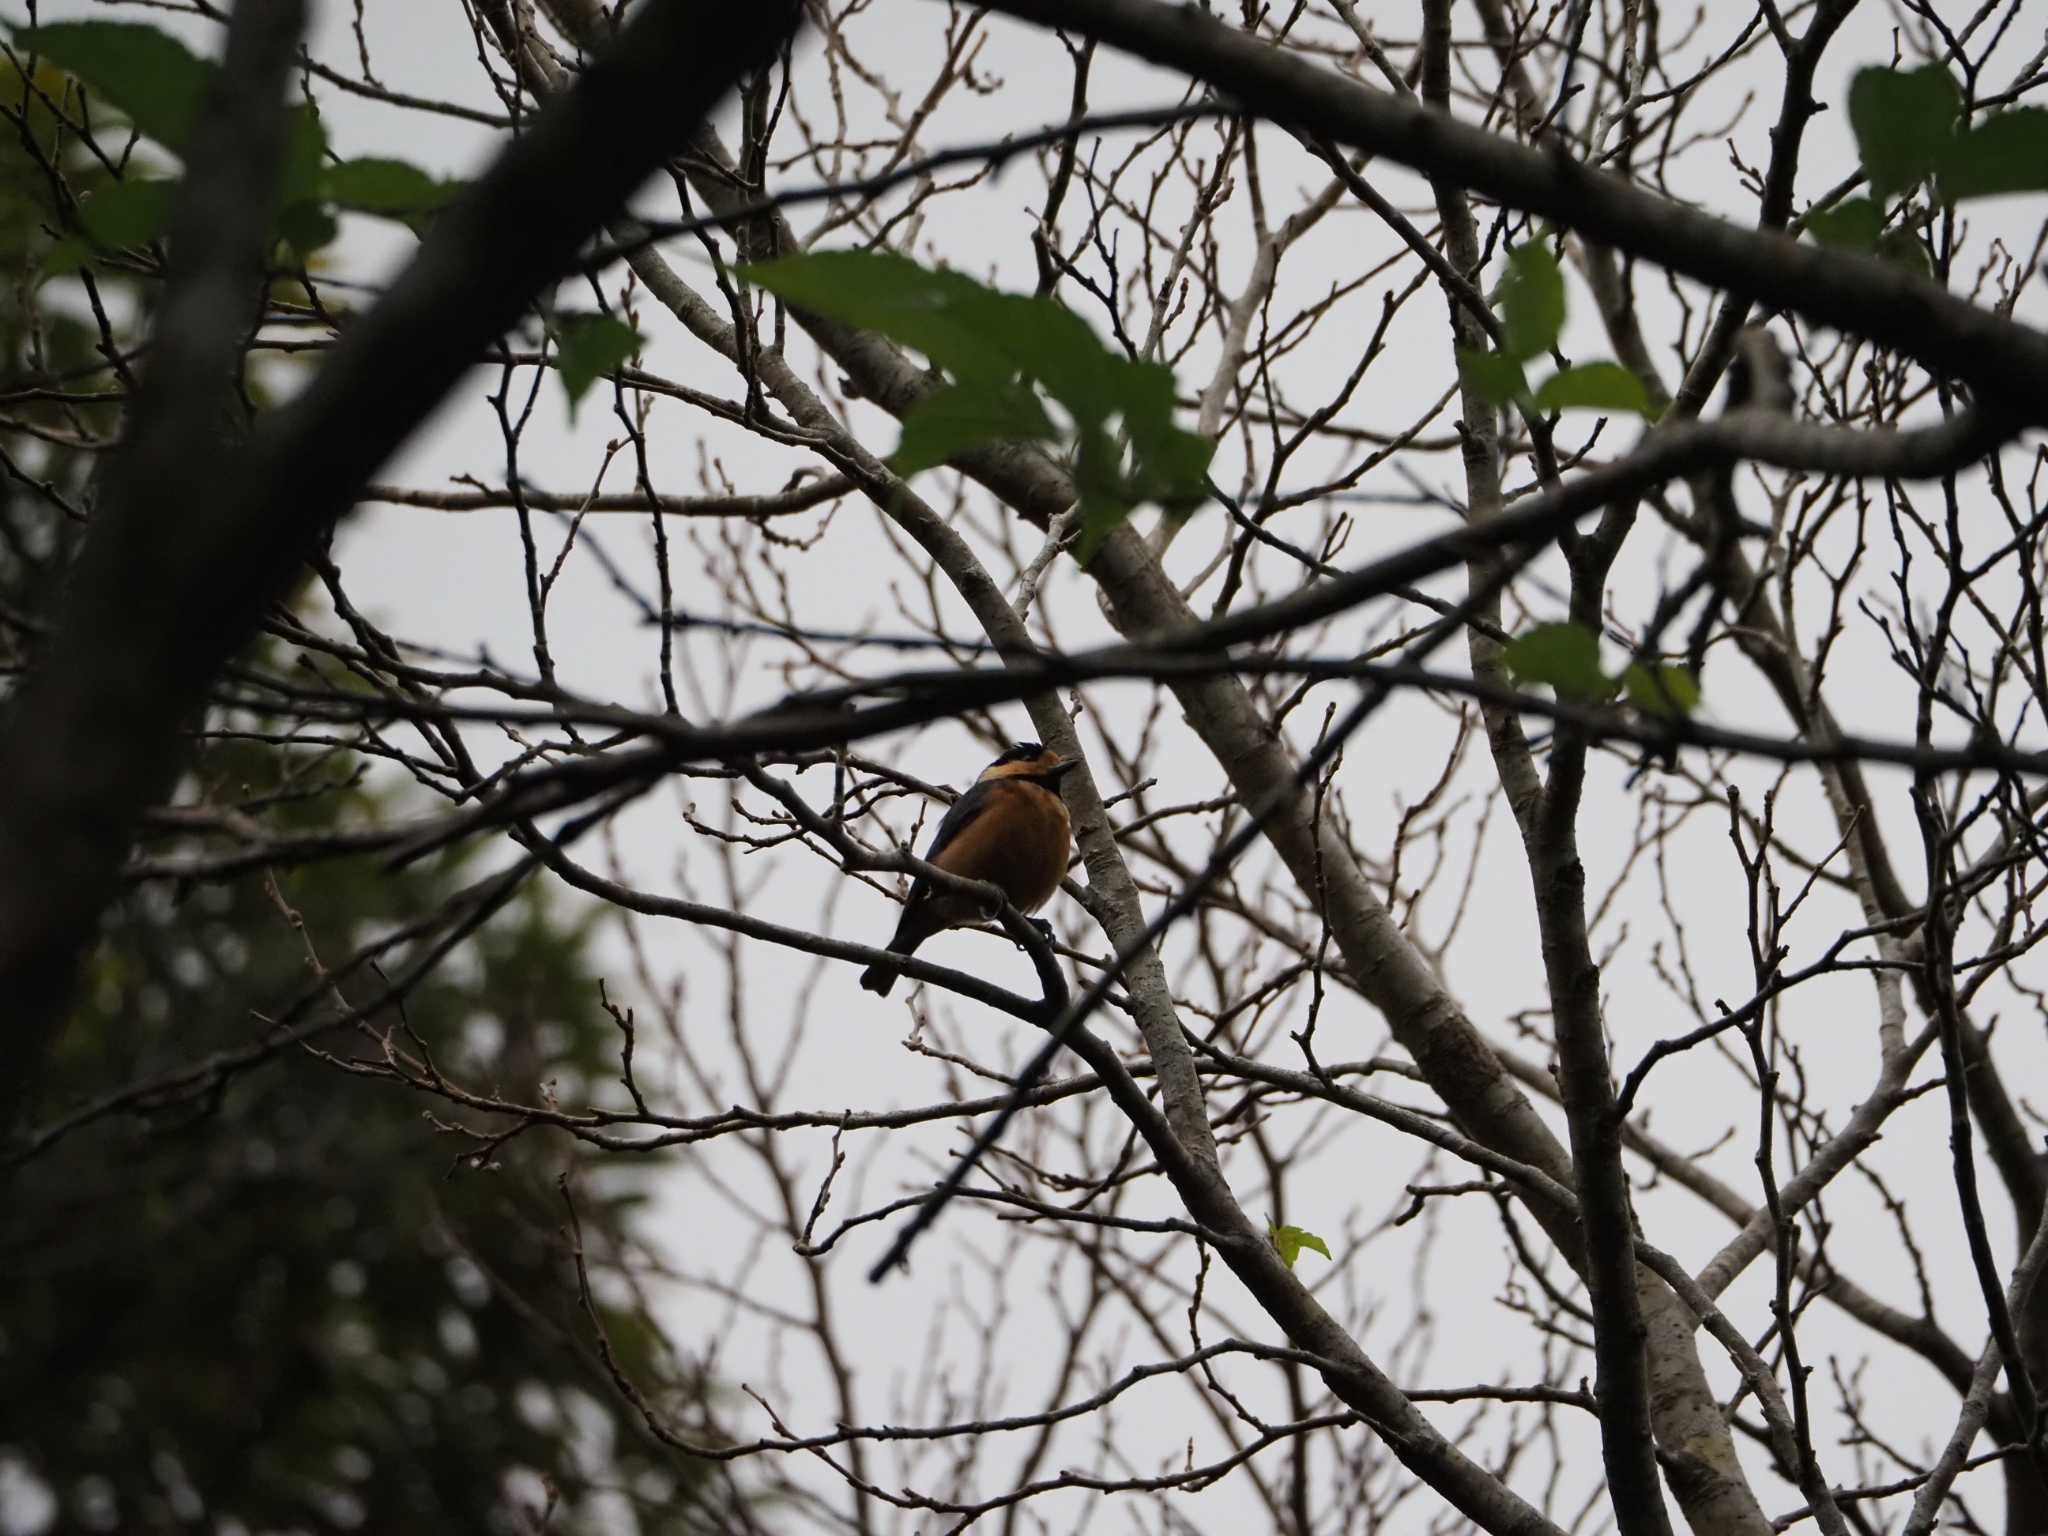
[90,737]
[192,542]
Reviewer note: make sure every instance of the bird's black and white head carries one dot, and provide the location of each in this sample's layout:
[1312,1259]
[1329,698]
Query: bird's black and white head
[1030,761]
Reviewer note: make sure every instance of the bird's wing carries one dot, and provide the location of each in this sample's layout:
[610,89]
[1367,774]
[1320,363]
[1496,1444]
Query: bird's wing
[964,810]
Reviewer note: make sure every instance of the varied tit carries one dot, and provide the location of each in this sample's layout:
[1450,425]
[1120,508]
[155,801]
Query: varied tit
[1010,830]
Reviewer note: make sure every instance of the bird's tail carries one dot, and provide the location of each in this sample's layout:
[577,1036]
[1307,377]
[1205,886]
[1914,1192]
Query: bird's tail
[881,978]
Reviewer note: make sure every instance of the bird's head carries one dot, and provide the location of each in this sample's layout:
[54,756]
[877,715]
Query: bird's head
[1029,761]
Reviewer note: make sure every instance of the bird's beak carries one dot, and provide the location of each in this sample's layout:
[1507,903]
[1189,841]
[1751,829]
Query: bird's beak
[1062,768]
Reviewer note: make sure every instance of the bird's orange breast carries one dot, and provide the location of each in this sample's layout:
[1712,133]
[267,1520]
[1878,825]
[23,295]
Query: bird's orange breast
[1020,842]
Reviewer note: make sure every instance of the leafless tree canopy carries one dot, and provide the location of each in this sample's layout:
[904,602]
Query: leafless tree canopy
[1540,1028]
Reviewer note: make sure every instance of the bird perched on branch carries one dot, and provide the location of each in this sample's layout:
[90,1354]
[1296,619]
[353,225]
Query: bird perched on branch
[1010,830]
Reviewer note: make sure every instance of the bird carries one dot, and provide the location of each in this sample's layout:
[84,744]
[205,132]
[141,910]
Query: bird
[1011,830]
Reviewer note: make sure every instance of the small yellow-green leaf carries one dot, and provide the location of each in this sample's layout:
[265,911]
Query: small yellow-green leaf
[1566,657]
[1594,387]
[1290,1241]
[1661,690]
[1531,302]
[587,346]
[1905,122]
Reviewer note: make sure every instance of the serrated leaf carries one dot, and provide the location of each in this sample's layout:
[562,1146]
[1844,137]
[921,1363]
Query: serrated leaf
[588,346]
[1290,1241]
[1852,225]
[123,213]
[391,188]
[1661,690]
[1565,657]
[1594,387]
[1494,377]
[956,417]
[1904,120]
[2004,153]
[147,75]
[1531,302]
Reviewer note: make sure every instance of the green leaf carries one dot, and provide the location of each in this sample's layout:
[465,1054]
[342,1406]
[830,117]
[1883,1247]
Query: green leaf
[305,151]
[957,417]
[995,344]
[1903,248]
[123,213]
[589,345]
[1566,657]
[1531,302]
[1493,376]
[1905,121]
[1661,690]
[388,187]
[66,256]
[146,74]
[931,311]
[1596,387]
[1105,501]
[1290,1241]
[1853,225]
[307,227]
[2005,153]
[1170,465]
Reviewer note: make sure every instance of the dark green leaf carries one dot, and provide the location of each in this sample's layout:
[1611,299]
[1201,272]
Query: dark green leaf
[1594,386]
[1290,1241]
[2005,153]
[1853,225]
[1495,378]
[305,151]
[997,343]
[957,417]
[131,212]
[930,311]
[150,77]
[1661,690]
[1170,465]
[1904,248]
[590,345]
[66,256]
[307,227]
[1105,500]
[1531,302]
[389,187]
[1905,120]
[1564,656]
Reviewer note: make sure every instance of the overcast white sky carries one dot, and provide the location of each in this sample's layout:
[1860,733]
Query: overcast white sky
[454,581]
